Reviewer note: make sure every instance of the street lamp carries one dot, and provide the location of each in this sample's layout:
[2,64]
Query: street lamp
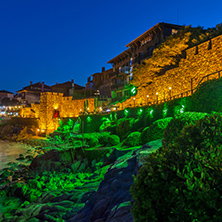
[170,92]
[134,101]
[147,96]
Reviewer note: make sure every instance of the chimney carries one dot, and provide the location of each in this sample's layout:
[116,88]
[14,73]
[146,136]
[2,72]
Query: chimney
[72,84]
[103,69]
[30,82]
[42,86]
[72,80]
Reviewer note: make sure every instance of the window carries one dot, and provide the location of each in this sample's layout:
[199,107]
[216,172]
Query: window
[174,31]
[150,50]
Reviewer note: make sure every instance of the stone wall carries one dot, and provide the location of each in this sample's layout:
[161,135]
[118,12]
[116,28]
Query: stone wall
[55,102]
[200,61]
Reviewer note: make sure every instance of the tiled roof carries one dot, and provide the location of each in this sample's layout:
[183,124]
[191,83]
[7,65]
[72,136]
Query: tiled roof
[4,91]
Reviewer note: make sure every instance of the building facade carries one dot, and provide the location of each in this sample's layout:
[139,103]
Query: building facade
[31,94]
[138,50]
[6,94]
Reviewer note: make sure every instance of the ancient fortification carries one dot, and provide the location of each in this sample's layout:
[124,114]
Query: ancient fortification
[199,61]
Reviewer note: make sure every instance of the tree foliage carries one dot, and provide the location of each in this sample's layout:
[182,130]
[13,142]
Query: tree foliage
[182,181]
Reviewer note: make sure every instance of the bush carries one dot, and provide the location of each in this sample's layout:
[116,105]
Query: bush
[182,181]
[93,142]
[113,140]
[176,125]
[155,131]
[124,126]
[208,97]
[7,131]
[133,139]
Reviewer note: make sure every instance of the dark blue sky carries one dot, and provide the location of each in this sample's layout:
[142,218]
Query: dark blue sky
[59,40]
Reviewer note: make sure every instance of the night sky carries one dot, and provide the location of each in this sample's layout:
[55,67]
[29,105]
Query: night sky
[59,40]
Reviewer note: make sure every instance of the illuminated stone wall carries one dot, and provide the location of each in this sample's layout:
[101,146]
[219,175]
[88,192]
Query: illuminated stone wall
[200,61]
[51,102]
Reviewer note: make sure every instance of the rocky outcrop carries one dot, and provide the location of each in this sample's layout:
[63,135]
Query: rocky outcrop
[112,202]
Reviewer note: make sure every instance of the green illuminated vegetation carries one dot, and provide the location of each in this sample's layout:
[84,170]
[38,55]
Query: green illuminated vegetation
[187,174]
[180,182]
[165,109]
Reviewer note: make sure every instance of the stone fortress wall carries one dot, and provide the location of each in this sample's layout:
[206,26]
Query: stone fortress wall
[51,102]
[201,60]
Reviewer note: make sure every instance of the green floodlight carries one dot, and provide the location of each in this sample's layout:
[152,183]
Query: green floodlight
[126,112]
[133,91]
[139,112]
[88,119]
[165,110]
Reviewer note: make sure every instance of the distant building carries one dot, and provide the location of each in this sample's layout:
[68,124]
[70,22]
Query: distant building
[31,94]
[6,94]
[67,88]
[138,50]
[100,83]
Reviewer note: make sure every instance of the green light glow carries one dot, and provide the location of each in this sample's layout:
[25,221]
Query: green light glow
[133,91]
[88,119]
[179,109]
[139,112]
[165,110]
[150,112]
[60,122]
[126,112]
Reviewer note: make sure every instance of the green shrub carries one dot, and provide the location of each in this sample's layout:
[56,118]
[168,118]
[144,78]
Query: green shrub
[113,140]
[93,141]
[176,125]
[207,97]
[182,181]
[103,139]
[133,139]
[155,130]
[124,126]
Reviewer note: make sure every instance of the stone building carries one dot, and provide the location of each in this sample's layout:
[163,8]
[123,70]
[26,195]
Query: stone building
[67,88]
[6,94]
[31,94]
[101,83]
[139,49]
[200,61]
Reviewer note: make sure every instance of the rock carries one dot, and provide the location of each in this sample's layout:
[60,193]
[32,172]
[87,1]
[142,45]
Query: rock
[121,214]
[46,197]
[99,209]
[113,193]
[57,208]
[86,196]
[65,203]
[61,198]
